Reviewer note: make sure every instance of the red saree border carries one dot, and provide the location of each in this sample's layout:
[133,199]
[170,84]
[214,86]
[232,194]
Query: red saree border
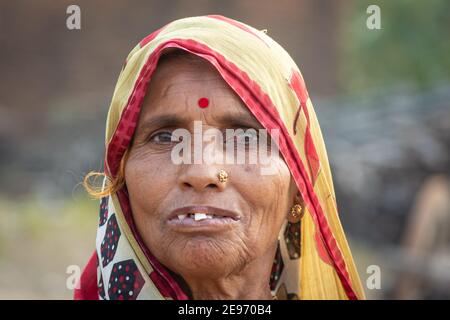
[87,288]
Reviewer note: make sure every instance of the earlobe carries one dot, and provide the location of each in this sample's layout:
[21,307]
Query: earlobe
[298,197]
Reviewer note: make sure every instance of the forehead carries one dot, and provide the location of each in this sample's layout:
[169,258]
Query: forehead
[178,84]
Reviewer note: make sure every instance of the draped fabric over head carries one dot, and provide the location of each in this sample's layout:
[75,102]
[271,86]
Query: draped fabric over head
[313,259]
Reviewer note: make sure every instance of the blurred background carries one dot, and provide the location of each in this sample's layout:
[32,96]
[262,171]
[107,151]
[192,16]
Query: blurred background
[382,97]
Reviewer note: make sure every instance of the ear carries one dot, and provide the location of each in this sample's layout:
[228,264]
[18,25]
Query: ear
[294,193]
[298,198]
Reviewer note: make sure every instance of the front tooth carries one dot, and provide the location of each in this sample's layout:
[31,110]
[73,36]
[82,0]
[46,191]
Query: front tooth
[199,216]
[209,216]
[181,217]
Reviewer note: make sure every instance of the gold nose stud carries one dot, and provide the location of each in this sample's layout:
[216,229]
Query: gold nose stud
[223,176]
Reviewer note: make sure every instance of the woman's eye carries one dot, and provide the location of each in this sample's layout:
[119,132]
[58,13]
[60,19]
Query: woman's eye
[163,137]
[247,137]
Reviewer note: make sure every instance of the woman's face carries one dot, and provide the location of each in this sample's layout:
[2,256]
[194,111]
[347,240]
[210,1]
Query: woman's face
[255,205]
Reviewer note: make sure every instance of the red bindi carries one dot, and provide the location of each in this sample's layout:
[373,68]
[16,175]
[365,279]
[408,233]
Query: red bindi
[203,102]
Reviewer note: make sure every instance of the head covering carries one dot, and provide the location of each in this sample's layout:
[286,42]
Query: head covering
[313,259]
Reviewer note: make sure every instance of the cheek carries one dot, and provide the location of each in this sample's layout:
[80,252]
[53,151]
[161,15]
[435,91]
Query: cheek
[268,197]
[148,182]
[147,175]
[138,174]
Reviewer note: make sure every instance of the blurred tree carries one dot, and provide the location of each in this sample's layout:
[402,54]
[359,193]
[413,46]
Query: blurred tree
[411,48]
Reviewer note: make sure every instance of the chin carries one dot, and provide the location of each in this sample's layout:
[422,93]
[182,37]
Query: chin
[208,256]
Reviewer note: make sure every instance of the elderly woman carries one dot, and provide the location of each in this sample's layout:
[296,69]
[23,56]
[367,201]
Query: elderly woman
[207,229]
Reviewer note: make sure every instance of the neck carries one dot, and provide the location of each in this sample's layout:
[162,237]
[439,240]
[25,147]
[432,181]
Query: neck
[250,283]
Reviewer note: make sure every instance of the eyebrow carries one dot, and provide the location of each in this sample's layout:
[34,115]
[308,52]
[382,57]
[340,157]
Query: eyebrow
[164,120]
[174,120]
[239,120]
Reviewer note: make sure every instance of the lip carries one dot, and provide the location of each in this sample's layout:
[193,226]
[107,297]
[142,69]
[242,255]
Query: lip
[204,209]
[226,219]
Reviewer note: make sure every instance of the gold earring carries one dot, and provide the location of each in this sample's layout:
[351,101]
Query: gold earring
[223,176]
[296,213]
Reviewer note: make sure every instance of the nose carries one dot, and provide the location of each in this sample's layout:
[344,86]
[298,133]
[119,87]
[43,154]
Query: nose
[201,178]
[204,176]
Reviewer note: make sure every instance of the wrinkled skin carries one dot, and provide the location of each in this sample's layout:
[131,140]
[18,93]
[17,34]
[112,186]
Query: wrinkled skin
[235,263]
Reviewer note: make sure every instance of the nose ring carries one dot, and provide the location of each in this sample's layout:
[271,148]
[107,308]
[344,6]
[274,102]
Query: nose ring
[223,176]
